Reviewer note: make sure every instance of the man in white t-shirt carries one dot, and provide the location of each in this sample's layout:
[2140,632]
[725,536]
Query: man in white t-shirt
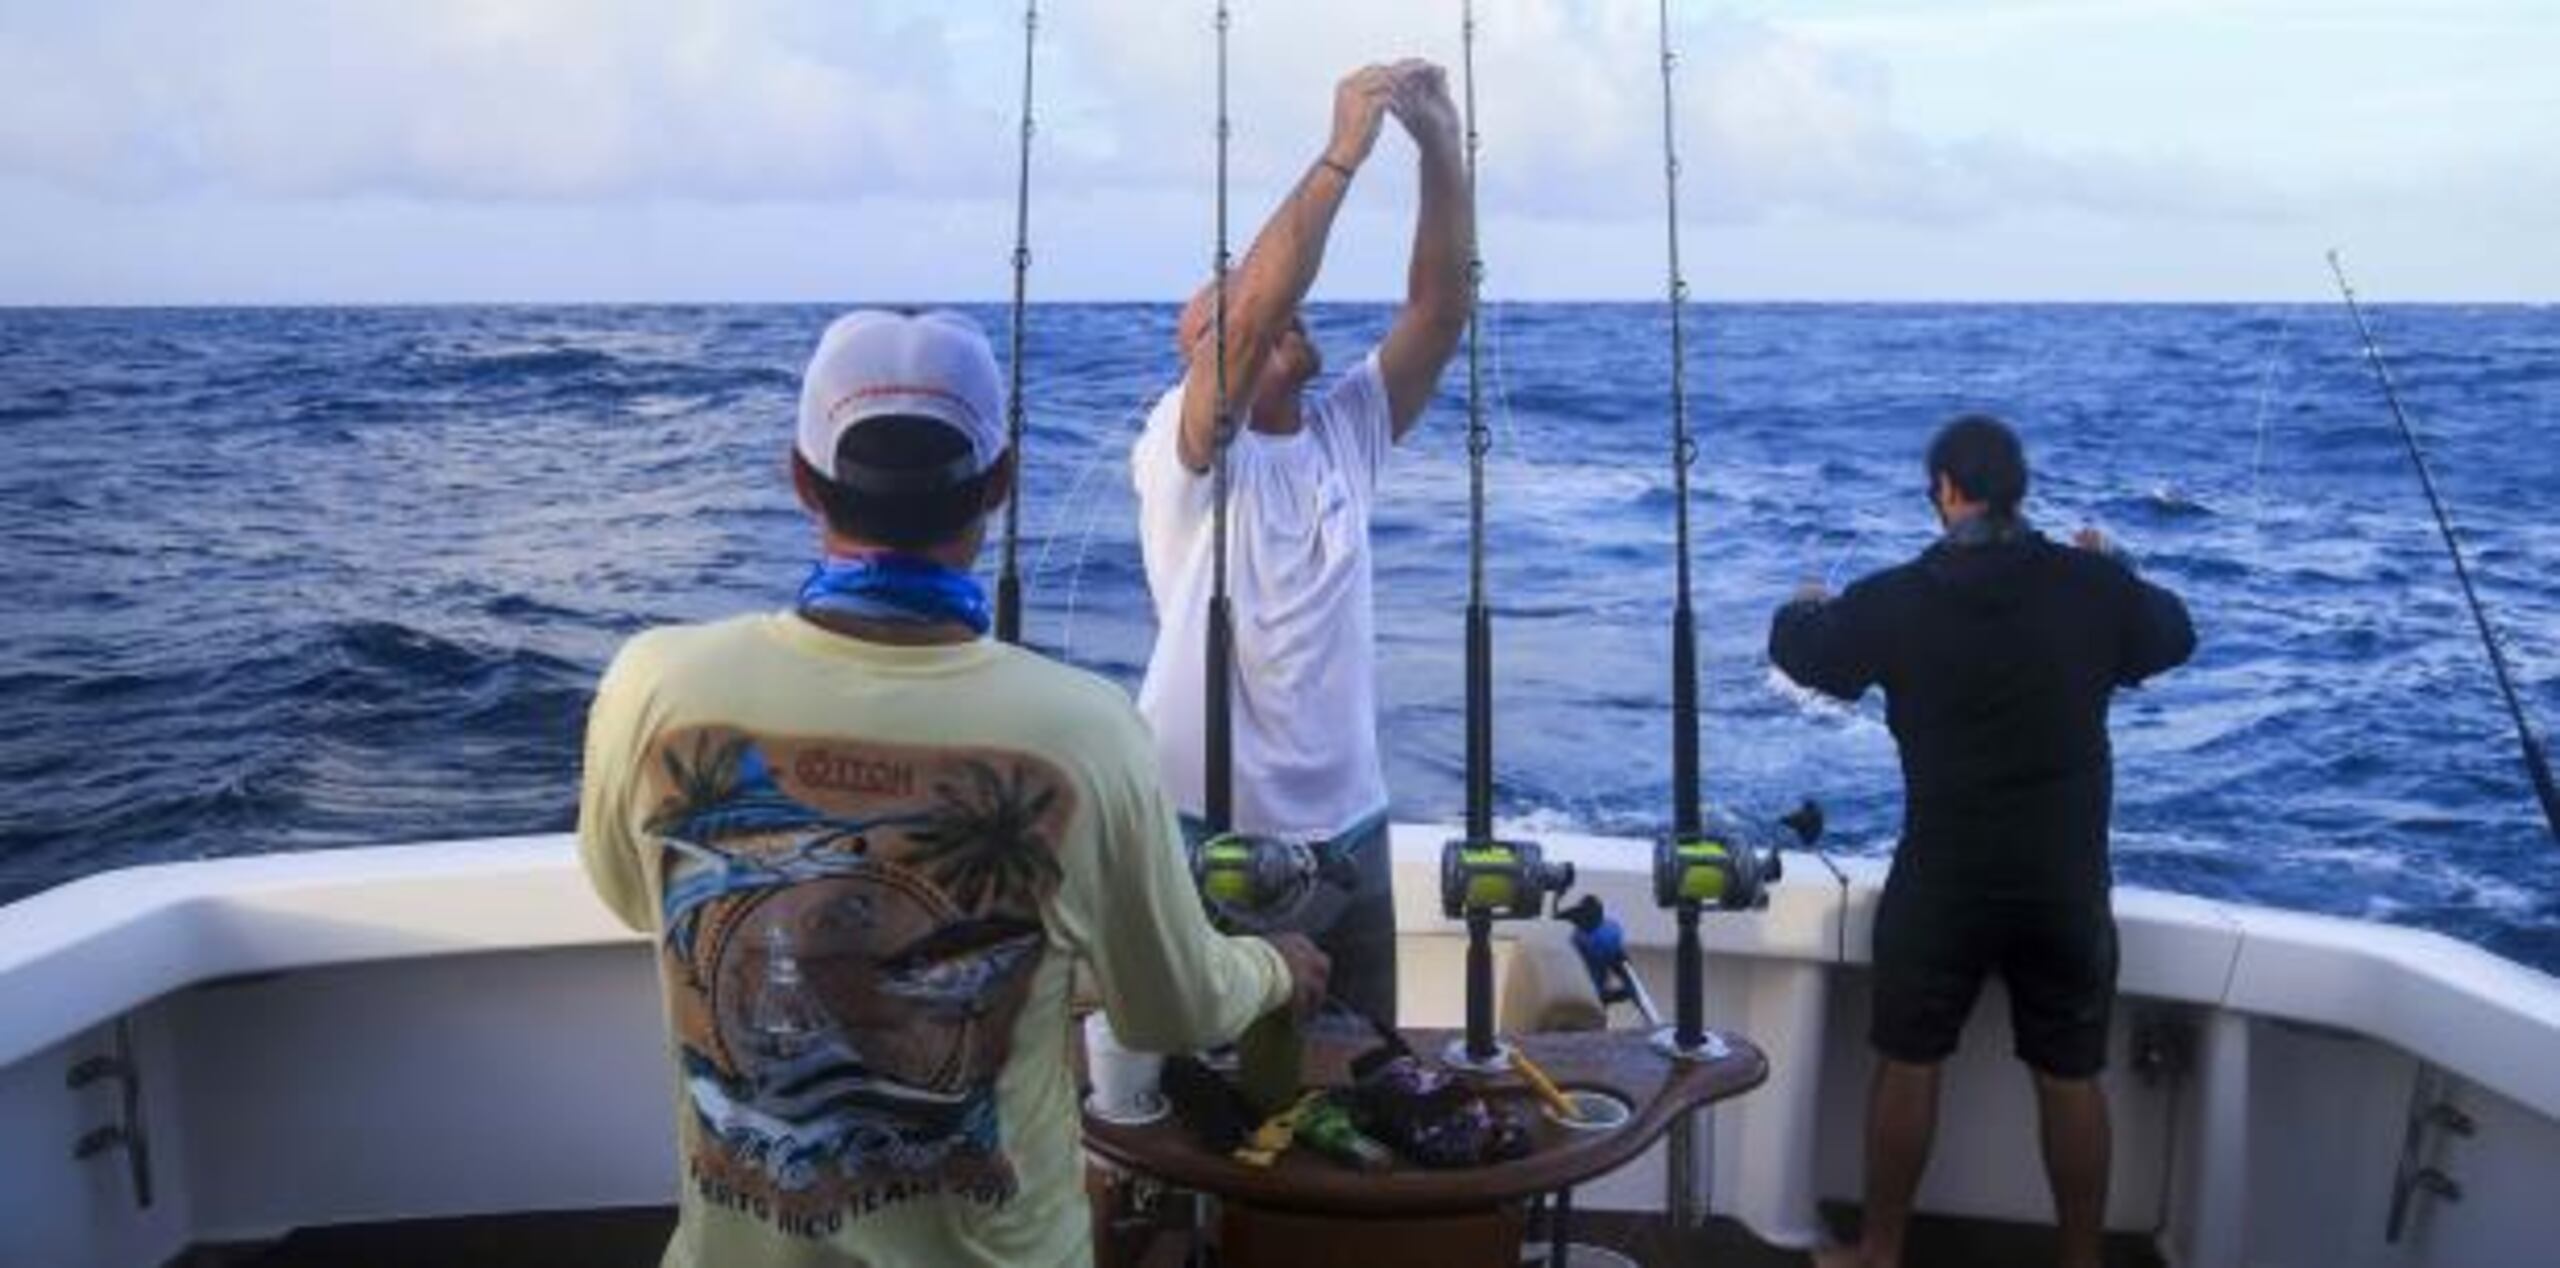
[1302,470]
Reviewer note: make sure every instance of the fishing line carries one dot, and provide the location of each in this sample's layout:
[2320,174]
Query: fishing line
[1831,575]
[1502,383]
[1075,579]
[2266,395]
[1804,543]
[1084,542]
[1108,445]
[1009,574]
[2536,766]
[2258,453]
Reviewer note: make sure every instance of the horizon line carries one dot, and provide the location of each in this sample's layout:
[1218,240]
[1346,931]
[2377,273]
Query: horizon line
[118,305]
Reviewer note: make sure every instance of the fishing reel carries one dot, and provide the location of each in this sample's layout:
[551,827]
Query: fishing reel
[1728,871]
[1257,884]
[1498,880]
[1482,881]
[1723,870]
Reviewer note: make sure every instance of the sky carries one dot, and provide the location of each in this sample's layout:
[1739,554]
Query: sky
[403,151]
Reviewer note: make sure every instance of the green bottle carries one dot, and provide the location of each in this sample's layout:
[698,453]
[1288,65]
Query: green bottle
[1270,1061]
[1327,1128]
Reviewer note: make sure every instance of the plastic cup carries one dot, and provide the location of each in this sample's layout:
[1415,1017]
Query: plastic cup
[1595,1111]
[1124,1079]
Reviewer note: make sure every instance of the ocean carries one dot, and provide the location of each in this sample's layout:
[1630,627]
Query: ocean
[298,579]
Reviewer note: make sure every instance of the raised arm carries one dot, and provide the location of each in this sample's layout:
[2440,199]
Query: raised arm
[1264,292]
[1438,296]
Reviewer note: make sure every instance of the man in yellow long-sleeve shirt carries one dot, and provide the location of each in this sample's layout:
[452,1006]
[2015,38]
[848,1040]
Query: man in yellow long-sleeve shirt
[870,842]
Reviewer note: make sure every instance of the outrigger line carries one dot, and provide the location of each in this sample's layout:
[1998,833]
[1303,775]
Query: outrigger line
[1219,779]
[2536,766]
[1009,574]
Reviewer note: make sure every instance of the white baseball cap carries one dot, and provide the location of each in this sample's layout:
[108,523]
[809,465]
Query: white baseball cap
[876,364]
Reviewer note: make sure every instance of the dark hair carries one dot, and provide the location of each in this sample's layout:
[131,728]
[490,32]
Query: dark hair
[892,451]
[1984,459]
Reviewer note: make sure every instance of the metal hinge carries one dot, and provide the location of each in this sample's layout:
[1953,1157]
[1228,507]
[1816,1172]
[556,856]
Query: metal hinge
[2430,1114]
[127,1133]
[2164,1045]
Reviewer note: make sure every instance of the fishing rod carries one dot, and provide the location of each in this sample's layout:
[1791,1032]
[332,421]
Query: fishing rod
[1687,815]
[1248,883]
[2536,766]
[1479,680]
[1673,858]
[1483,879]
[1009,574]
[1220,778]
[1694,868]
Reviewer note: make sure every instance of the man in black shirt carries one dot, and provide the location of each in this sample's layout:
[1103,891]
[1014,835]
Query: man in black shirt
[1998,652]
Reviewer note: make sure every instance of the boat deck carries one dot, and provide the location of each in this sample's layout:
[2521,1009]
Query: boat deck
[633,1238]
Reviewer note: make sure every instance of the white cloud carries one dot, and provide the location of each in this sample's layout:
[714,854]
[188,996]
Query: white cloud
[387,149]
[482,99]
[757,100]
[1570,107]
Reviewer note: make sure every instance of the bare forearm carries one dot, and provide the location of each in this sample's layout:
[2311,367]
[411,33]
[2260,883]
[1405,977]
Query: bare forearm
[1278,271]
[1444,227]
[1281,266]
[1439,294]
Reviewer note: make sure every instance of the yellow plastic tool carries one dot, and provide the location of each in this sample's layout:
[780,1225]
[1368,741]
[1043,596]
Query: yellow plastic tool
[1545,1087]
[1276,1134]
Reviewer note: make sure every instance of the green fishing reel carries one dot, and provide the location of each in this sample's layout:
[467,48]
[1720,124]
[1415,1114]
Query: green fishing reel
[1706,871]
[1721,868]
[1482,881]
[1500,880]
[1255,884]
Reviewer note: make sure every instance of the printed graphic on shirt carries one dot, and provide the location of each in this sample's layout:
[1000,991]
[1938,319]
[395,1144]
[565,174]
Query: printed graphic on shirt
[851,930]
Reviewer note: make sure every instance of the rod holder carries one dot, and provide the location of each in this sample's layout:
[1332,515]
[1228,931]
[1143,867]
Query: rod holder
[1481,882]
[1726,872]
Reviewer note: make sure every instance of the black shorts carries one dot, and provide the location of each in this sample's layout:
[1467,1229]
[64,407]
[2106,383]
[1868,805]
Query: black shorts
[1934,947]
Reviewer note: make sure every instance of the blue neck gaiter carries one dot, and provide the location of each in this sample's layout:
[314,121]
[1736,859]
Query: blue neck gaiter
[894,590]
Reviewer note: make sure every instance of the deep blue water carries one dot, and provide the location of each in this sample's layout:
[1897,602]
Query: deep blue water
[295,579]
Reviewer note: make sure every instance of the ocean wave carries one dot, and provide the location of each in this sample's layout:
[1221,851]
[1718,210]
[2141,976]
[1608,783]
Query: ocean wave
[309,577]
[483,366]
[38,405]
